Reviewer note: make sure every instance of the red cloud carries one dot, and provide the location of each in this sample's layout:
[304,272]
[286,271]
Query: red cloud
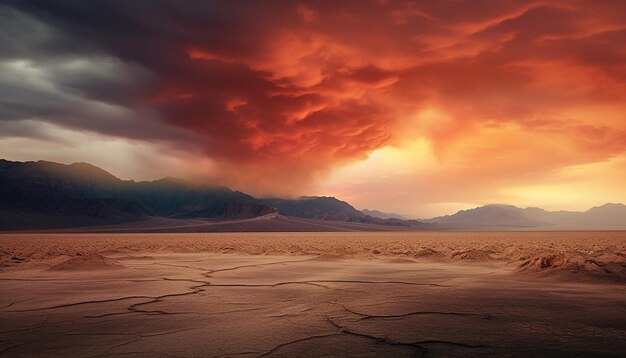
[290,90]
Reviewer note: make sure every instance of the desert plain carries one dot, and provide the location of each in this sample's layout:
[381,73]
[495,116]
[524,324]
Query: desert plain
[395,294]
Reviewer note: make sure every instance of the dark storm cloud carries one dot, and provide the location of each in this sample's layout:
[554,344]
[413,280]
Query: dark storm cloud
[148,41]
[54,74]
[294,88]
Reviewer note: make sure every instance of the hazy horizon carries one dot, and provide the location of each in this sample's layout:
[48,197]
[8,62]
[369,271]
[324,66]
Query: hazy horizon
[404,215]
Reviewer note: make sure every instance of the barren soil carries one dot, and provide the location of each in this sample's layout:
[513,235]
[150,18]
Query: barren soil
[436,294]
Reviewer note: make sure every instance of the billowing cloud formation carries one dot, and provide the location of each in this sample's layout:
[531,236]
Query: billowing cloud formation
[277,92]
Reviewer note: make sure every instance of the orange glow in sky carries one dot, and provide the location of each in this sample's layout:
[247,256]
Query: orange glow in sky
[417,108]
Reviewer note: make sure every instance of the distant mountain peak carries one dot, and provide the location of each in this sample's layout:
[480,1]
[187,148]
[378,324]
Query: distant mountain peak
[608,209]
[607,216]
[322,197]
[383,215]
[610,205]
[498,205]
[170,180]
[76,171]
[315,207]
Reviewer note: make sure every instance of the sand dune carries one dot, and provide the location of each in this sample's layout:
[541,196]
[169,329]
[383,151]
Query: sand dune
[578,265]
[85,262]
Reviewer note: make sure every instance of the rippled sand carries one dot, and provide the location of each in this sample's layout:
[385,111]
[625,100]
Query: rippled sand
[314,294]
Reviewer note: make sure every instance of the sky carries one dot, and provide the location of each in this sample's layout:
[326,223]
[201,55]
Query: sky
[415,107]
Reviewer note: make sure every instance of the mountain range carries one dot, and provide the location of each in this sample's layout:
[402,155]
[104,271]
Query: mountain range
[46,195]
[605,217]
[39,195]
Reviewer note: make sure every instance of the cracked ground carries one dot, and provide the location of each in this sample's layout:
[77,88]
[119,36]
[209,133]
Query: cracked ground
[211,304]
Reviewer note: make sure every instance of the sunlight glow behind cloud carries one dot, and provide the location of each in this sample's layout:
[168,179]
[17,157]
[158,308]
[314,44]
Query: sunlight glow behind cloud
[396,105]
